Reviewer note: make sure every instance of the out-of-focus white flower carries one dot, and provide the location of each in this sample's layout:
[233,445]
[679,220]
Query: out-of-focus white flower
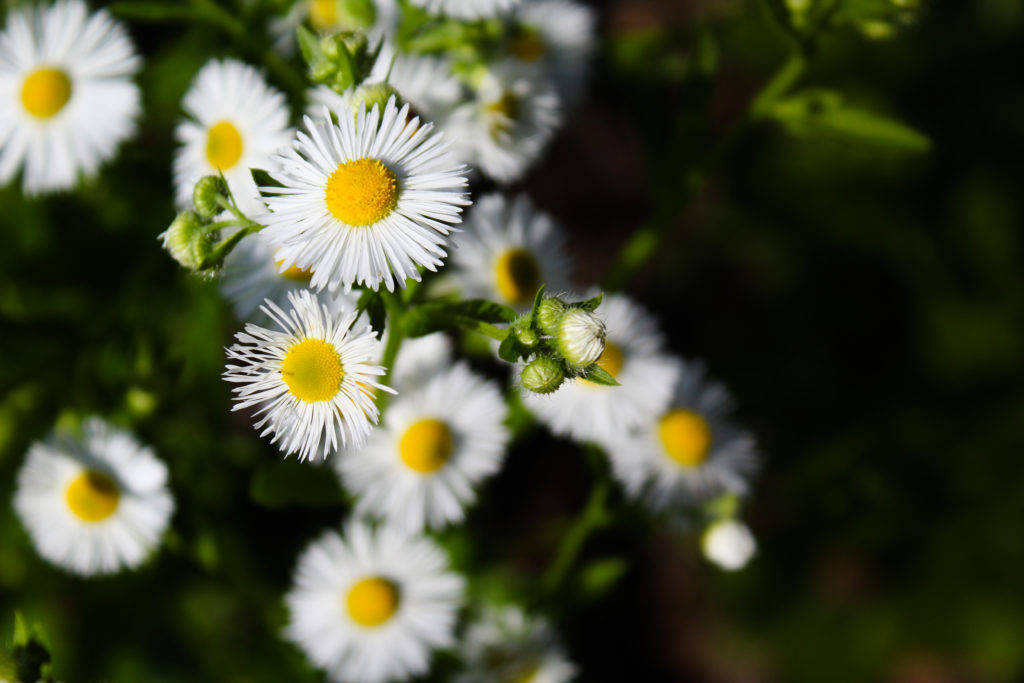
[729,544]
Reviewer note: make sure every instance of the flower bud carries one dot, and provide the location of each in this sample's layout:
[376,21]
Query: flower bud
[187,240]
[542,375]
[549,313]
[580,337]
[205,194]
[729,544]
[525,335]
[374,94]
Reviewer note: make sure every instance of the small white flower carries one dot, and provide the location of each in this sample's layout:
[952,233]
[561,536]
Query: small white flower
[236,123]
[558,34]
[507,646]
[436,443]
[729,544]
[94,503]
[67,93]
[507,250]
[689,452]
[508,123]
[366,200]
[314,381]
[633,356]
[467,9]
[372,606]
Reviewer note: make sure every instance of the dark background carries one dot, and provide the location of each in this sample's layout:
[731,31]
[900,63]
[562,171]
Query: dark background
[863,304]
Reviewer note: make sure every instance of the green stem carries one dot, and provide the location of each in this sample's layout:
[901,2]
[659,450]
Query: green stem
[784,79]
[395,309]
[480,327]
[216,257]
[593,516]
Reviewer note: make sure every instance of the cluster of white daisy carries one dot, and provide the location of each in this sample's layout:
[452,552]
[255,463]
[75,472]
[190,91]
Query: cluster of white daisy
[412,105]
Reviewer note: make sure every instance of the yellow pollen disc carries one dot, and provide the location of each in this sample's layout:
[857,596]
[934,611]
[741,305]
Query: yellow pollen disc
[506,109]
[45,92]
[92,496]
[685,436]
[372,601]
[295,273]
[223,145]
[426,445]
[323,14]
[518,276]
[527,46]
[312,370]
[362,191]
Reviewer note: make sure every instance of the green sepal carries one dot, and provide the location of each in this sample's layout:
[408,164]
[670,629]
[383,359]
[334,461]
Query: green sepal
[508,350]
[598,375]
[590,304]
[537,298]
[371,303]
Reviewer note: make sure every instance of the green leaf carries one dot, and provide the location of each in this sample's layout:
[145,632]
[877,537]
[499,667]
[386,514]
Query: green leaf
[435,316]
[372,303]
[508,350]
[264,179]
[309,45]
[591,303]
[824,114]
[289,482]
[31,652]
[537,298]
[598,577]
[598,375]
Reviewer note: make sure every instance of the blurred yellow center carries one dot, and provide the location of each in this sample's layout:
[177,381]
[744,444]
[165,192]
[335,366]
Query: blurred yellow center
[527,46]
[45,92]
[92,496]
[323,14]
[506,111]
[223,145]
[295,273]
[685,436]
[312,370]
[372,601]
[518,275]
[426,445]
[362,191]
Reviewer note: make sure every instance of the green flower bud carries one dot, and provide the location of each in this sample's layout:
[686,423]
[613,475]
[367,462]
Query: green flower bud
[205,194]
[525,335]
[580,337]
[542,375]
[549,314]
[187,240]
[374,94]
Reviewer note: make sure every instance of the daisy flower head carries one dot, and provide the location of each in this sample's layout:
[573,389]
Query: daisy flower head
[507,250]
[467,9]
[507,124]
[235,123]
[558,34]
[365,200]
[507,646]
[689,452]
[435,445]
[632,354]
[252,273]
[371,606]
[94,502]
[314,379]
[69,99]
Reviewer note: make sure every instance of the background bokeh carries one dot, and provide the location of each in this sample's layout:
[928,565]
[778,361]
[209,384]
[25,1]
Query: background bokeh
[865,305]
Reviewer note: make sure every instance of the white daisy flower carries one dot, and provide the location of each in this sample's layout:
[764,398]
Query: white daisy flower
[69,100]
[314,380]
[508,123]
[435,444]
[507,646]
[236,122]
[252,274]
[467,9]
[366,200]
[558,34]
[93,503]
[632,355]
[729,544]
[689,452]
[507,250]
[371,607]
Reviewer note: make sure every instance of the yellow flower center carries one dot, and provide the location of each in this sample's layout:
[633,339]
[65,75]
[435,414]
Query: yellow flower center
[527,46]
[323,14]
[685,436]
[506,111]
[362,191]
[45,92]
[426,445]
[610,361]
[303,275]
[92,496]
[312,370]
[372,601]
[223,145]
[518,276]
